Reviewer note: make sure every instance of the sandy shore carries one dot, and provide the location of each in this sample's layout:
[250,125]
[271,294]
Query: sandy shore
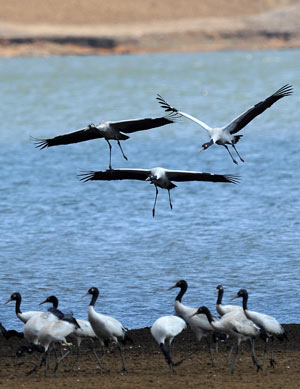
[146,366]
[96,27]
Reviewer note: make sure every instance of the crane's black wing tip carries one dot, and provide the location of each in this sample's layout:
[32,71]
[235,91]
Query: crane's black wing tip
[39,143]
[166,106]
[86,175]
[173,113]
[285,90]
[233,178]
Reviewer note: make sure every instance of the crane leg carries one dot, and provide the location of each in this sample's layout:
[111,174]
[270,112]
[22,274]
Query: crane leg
[124,370]
[156,194]
[272,360]
[109,145]
[238,348]
[265,352]
[96,355]
[230,352]
[57,361]
[102,358]
[253,355]
[237,153]
[122,150]
[170,202]
[38,364]
[47,360]
[210,352]
[197,350]
[167,356]
[226,147]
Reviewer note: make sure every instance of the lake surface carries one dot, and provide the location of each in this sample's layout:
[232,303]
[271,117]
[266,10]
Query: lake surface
[61,236]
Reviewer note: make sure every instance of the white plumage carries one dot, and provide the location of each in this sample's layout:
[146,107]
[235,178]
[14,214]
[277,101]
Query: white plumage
[163,330]
[84,331]
[199,324]
[223,309]
[108,130]
[158,176]
[23,316]
[269,326]
[54,332]
[225,135]
[107,328]
[234,324]
[33,326]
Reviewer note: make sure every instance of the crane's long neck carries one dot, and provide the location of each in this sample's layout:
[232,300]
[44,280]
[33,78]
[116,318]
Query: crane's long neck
[94,298]
[220,296]
[182,291]
[245,301]
[208,315]
[55,303]
[18,305]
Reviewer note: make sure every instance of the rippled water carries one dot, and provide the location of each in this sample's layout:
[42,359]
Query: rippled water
[60,236]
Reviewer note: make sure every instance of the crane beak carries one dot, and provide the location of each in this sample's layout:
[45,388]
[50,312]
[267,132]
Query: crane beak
[151,178]
[43,302]
[235,297]
[194,314]
[10,299]
[172,287]
[216,291]
[202,148]
[86,294]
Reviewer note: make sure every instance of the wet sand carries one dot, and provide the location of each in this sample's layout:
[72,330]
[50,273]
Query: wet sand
[147,368]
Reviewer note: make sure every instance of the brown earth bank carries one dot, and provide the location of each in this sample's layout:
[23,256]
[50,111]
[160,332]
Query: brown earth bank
[55,27]
[147,368]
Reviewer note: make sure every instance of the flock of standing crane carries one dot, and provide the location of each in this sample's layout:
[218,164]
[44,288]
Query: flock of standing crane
[42,330]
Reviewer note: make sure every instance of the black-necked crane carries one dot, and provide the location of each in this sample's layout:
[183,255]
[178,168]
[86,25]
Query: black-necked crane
[234,324]
[105,129]
[107,328]
[165,329]
[23,316]
[33,326]
[269,326]
[199,324]
[223,309]
[55,332]
[225,135]
[54,309]
[83,332]
[159,177]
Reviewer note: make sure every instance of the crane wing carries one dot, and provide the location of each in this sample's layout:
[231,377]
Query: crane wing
[242,120]
[134,125]
[88,133]
[115,174]
[181,175]
[168,108]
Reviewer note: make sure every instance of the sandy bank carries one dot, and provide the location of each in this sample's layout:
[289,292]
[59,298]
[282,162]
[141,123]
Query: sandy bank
[30,29]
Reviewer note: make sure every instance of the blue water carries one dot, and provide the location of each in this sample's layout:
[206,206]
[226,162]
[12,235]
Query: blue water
[61,236]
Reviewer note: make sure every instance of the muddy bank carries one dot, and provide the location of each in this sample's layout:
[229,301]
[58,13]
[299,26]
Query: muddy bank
[146,366]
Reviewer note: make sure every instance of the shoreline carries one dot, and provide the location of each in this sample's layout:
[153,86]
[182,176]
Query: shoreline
[146,366]
[277,28]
